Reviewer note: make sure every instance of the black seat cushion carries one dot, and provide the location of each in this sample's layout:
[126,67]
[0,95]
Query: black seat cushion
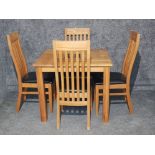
[31,77]
[115,78]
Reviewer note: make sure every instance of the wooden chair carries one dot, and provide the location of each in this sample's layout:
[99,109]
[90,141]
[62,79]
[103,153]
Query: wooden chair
[26,80]
[121,81]
[77,34]
[72,70]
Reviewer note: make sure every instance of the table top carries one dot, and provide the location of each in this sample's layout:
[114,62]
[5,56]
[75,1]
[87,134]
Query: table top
[98,58]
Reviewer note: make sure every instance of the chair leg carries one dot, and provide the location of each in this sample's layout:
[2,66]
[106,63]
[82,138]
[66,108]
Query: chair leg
[24,96]
[88,117]
[97,100]
[130,105]
[91,101]
[94,94]
[58,116]
[18,104]
[50,98]
[61,108]
[125,98]
[54,92]
[55,95]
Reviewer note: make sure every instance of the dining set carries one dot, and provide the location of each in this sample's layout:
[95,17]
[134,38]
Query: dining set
[66,73]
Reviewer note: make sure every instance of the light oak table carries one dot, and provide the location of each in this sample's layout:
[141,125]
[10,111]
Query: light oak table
[100,62]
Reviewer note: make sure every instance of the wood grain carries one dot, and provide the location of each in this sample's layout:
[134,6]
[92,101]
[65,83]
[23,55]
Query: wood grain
[77,34]
[99,59]
[19,61]
[69,57]
[127,67]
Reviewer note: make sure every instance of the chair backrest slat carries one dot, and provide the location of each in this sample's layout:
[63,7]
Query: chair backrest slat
[77,75]
[67,75]
[72,70]
[72,74]
[17,54]
[77,34]
[130,55]
[62,73]
[83,76]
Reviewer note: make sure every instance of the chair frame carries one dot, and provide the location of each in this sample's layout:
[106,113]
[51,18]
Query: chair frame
[20,64]
[72,57]
[77,34]
[126,71]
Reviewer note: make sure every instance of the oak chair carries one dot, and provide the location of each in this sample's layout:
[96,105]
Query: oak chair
[120,81]
[77,34]
[72,71]
[26,80]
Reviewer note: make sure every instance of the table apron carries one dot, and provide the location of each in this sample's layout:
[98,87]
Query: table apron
[92,69]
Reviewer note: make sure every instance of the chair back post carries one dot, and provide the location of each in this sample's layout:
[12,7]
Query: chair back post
[130,55]
[77,34]
[72,71]
[17,55]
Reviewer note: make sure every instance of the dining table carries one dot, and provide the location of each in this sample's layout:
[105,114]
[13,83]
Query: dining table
[100,61]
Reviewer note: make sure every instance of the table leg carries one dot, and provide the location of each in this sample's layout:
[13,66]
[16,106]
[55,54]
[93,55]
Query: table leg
[106,79]
[41,90]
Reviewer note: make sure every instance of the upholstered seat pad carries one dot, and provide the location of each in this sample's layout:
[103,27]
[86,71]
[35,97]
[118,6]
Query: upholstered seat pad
[115,78]
[31,77]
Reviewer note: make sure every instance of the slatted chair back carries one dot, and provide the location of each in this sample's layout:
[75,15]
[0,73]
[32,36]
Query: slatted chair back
[17,55]
[77,34]
[131,53]
[72,70]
